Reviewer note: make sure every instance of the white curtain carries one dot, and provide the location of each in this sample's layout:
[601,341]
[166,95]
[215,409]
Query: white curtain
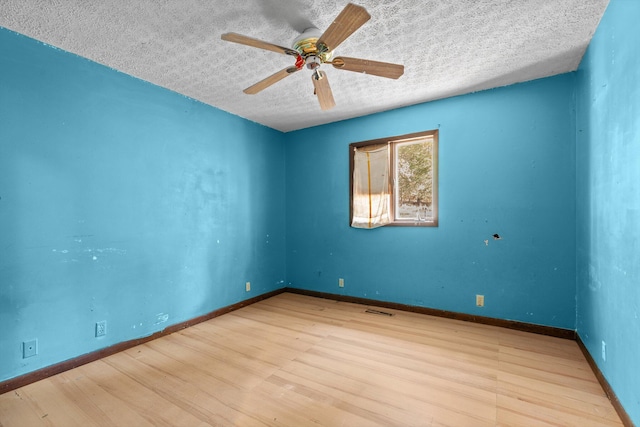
[371,198]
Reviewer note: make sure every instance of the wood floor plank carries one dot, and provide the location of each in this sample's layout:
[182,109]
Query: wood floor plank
[535,413]
[542,344]
[563,398]
[286,405]
[419,368]
[551,363]
[147,397]
[415,352]
[373,391]
[550,377]
[16,409]
[52,408]
[192,390]
[295,360]
[445,346]
[234,325]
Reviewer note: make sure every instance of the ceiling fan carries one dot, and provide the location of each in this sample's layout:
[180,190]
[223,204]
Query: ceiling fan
[312,49]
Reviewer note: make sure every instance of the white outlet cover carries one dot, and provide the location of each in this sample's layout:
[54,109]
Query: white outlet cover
[101,328]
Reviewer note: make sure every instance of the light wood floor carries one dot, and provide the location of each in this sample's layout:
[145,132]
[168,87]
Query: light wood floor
[294,360]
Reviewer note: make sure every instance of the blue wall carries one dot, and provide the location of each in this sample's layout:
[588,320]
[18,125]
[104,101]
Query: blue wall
[608,194]
[124,202]
[507,166]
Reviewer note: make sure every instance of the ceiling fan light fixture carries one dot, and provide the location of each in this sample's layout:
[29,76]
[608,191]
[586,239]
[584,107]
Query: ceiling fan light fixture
[313,62]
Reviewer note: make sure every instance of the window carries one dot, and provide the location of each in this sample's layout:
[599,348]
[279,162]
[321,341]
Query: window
[394,181]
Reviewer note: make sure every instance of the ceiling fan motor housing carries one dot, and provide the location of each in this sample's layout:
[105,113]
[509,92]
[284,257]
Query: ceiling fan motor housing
[305,44]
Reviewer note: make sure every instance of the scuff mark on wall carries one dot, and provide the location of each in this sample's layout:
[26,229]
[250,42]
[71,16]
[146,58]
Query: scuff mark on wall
[107,251]
[161,318]
[103,251]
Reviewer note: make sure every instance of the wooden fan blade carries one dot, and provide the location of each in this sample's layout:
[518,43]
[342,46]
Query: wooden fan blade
[250,41]
[272,79]
[348,21]
[382,69]
[323,90]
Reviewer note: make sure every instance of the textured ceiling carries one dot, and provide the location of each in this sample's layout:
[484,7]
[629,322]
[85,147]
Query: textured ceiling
[448,47]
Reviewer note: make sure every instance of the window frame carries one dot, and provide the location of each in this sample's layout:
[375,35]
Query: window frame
[393,140]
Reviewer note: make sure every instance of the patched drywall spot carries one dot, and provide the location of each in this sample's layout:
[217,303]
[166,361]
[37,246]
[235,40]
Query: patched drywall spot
[486,243]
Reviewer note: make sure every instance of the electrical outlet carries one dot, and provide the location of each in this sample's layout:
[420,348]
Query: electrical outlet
[101,328]
[480,300]
[341,282]
[604,351]
[29,348]
[247,286]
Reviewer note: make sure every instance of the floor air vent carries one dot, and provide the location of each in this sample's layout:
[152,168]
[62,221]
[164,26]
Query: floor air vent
[378,312]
